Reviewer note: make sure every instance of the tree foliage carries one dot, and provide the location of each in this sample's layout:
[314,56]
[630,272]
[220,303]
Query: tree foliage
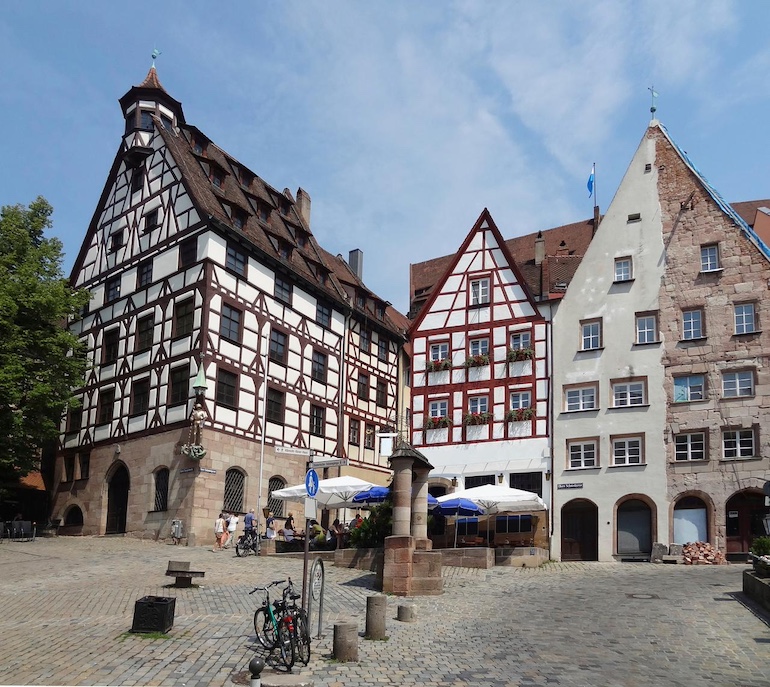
[373,530]
[40,361]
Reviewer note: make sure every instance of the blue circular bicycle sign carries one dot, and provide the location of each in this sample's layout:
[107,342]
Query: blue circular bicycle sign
[311,483]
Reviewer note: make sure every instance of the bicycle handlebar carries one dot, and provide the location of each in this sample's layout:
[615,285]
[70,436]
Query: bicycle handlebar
[266,587]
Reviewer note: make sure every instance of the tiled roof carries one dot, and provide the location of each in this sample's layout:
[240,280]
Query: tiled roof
[283,237]
[564,248]
[152,81]
[748,209]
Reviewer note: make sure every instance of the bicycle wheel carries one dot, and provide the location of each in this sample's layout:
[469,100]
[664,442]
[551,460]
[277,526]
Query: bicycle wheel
[302,632]
[264,628]
[286,642]
[240,550]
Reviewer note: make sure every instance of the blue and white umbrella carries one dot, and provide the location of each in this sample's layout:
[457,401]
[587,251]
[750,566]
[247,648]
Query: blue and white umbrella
[449,505]
[379,494]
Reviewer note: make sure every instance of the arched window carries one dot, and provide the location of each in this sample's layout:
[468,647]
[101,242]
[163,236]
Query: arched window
[234,486]
[73,516]
[161,489]
[275,505]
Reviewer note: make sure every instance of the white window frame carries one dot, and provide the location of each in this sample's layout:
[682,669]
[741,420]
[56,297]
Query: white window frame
[738,443]
[628,451]
[520,399]
[587,454]
[624,269]
[745,318]
[739,384]
[709,258]
[591,335]
[646,329]
[439,351]
[521,340]
[690,446]
[581,398]
[479,346]
[694,388]
[478,291]
[478,404]
[689,332]
[438,408]
[627,394]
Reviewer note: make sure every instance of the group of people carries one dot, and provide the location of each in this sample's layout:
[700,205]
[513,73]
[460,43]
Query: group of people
[226,524]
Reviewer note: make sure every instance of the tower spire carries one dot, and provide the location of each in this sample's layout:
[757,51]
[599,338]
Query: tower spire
[654,94]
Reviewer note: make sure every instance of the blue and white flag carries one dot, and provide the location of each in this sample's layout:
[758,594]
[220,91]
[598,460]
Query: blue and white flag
[591,180]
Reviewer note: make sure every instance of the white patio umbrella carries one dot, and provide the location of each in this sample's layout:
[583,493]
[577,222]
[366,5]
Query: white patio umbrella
[497,498]
[335,492]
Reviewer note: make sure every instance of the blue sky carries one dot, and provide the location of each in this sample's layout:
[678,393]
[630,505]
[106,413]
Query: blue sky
[402,120]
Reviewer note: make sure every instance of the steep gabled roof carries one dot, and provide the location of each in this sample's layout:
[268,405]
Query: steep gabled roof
[728,209]
[564,248]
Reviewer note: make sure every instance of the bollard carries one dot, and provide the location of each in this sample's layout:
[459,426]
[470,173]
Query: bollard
[405,614]
[345,647]
[375,616]
[256,665]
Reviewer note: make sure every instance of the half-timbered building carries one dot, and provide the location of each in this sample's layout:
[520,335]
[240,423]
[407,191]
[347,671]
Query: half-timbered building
[480,343]
[202,274]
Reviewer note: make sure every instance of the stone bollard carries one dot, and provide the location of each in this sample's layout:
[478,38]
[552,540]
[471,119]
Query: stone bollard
[405,614]
[256,666]
[375,616]
[345,647]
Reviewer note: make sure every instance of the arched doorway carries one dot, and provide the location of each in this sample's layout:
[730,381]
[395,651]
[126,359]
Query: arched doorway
[690,520]
[117,500]
[579,531]
[634,528]
[744,514]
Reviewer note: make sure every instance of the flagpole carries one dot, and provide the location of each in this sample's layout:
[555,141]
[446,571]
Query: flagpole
[595,192]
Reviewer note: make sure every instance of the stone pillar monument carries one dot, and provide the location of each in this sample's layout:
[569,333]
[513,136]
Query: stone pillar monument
[411,568]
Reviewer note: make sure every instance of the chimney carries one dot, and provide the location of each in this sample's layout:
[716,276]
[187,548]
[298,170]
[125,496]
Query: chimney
[562,249]
[539,248]
[597,219]
[356,262]
[303,206]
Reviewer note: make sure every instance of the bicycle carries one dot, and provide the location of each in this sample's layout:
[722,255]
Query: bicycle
[247,542]
[301,625]
[274,625]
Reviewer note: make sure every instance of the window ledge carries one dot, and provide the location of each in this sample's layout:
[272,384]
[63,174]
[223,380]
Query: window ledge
[646,343]
[698,461]
[686,403]
[740,459]
[581,410]
[590,467]
[697,339]
[623,281]
[718,270]
[736,398]
[479,305]
[630,465]
[635,405]
[741,334]
[590,350]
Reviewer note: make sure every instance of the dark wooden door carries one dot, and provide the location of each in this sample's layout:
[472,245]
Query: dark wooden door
[580,531]
[744,515]
[117,501]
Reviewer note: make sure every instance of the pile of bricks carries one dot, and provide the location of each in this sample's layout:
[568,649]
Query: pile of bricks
[702,553]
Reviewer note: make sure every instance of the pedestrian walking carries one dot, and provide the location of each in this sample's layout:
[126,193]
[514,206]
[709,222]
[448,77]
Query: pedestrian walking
[232,525]
[219,531]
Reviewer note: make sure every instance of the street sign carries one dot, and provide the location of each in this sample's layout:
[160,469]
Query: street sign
[311,508]
[320,464]
[311,482]
[294,450]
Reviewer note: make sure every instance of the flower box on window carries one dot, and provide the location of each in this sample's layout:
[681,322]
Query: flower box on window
[437,422]
[470,419]
[519,414]
[438,365]
[477,360]
[515,354]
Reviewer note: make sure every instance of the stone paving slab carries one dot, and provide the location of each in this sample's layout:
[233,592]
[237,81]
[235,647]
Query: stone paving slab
[66,606]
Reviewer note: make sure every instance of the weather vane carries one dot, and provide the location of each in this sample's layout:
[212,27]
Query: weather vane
[654,94]
[155,54]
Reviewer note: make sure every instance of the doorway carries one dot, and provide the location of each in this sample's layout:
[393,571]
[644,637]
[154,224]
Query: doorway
[117,500]
[744,514]
[690,520]
[634,528]
[580,531]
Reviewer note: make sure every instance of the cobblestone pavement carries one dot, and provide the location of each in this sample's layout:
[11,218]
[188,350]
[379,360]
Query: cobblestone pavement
[66,605]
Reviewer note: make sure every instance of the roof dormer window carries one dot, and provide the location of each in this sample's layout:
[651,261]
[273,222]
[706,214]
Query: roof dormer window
[166,122]
[145,120]
[217,178]
[199,146]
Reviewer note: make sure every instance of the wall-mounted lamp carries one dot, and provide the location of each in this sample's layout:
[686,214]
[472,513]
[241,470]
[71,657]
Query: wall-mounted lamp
[199,385]
[548,475]
[500,478]
[454,481]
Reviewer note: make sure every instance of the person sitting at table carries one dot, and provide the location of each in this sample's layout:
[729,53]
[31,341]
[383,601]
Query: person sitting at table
[317,535]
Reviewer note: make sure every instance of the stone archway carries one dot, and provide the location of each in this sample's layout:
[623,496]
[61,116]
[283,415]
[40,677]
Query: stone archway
[118,486]
[634,530]
[580,531]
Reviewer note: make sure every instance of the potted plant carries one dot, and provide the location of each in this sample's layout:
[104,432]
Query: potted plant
[476,418]
[477,360]
[437,422]
[438,365]
[514,354]
[519,414]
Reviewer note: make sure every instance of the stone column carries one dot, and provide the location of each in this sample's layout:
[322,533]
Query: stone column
[402,495]
[420,502]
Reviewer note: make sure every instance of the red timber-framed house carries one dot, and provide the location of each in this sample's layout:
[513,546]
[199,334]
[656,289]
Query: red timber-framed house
[480,339]
[204,275]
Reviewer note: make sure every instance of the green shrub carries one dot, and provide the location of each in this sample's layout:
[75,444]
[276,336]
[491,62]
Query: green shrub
[373,530]
[760,546]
